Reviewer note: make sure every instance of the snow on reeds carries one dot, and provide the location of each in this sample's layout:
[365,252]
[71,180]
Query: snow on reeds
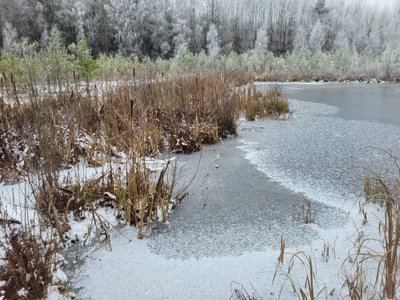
[41,137]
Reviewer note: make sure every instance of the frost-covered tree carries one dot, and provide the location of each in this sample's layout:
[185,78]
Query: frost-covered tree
[301,39]
[182,34]
[142,28]
[157,28]
[25,16]
[281,25]
[391,59]
[261,44]
[320,10]
[49,11]
[147,23]
[124,21]
[9,34]
[317,37]
[69,21]
[213,46]
[1,34]
[163,34]
[341,41]
[96,26]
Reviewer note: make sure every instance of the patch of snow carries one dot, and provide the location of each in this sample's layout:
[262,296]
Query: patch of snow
[111,196]
[59,277]
[22,292]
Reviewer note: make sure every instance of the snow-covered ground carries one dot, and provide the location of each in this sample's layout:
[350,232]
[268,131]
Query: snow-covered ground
[132,270]
[17,203]
[316,82]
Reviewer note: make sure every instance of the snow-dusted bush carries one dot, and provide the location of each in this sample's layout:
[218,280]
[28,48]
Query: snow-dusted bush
[234,61]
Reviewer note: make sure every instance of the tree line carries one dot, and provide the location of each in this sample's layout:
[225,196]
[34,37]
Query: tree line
[160,28]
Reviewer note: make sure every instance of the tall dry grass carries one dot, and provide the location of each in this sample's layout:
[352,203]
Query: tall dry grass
[144,117]
[263,103]
[386,192]
[177,115]
[306,291]
[141,117]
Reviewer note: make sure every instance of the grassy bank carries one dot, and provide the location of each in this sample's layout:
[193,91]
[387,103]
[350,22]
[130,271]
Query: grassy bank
[132,121]
[142,118]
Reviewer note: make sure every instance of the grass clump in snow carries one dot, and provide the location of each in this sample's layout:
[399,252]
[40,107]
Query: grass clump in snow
[28,264]
[374,190]
[146,197]
[264,103]
[306,291]
[355,281]
[305,211]
[137,194]
[239,292]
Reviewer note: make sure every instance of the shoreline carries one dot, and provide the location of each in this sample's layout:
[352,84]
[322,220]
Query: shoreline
[227,232]
[214,249]
[233,207]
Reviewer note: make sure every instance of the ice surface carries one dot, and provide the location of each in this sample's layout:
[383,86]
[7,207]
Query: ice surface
[320,155]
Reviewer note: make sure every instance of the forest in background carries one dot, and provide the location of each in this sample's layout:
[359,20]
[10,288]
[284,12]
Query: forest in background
[279,40]
[159,28]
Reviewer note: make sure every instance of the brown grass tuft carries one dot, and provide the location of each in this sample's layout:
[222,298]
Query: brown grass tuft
[264,103]
[28,265]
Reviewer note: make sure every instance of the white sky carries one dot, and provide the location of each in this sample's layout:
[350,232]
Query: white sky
[381,3]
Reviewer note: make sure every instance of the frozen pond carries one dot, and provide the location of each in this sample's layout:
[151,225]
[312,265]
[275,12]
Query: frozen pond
[242,199]
[337,131]
[366,102]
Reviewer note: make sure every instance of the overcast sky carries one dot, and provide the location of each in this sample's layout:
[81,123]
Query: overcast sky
[381,3]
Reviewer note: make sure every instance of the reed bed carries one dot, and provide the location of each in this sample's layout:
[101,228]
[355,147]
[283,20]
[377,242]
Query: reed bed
[144,118]
[134,120]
